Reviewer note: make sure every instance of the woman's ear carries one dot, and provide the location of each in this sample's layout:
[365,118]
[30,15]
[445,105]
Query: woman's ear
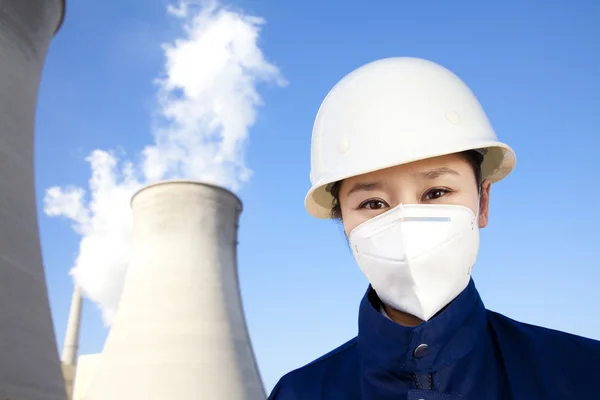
[484,203]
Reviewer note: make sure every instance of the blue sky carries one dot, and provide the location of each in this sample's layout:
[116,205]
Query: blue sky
[535,66]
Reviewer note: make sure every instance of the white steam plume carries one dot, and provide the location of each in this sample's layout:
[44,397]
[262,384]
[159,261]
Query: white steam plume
[208,101]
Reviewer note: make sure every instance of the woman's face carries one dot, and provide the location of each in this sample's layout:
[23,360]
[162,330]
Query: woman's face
[440,180]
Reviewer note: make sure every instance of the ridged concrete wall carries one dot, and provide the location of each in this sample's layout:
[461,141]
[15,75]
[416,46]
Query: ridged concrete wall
[29,363]
[180,332]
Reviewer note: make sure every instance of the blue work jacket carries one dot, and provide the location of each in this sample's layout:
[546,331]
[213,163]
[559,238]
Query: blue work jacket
[465,352]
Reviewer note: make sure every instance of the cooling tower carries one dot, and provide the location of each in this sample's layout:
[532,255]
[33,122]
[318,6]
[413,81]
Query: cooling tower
[86,366]
[180,331]
[29,364]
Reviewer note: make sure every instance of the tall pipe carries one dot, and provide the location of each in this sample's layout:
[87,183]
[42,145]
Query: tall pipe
[68,356]
[29,363]
[70,346]
[180,331]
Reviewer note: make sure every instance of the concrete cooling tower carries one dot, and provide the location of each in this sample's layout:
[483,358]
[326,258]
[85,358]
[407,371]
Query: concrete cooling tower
[180,331]
[29,364]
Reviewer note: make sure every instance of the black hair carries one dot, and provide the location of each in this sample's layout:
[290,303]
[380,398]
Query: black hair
[473,157]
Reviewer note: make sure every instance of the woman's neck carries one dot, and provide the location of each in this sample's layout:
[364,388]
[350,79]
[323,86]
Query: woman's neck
[400,317]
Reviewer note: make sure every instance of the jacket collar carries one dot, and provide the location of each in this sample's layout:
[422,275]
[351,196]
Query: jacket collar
[450,335]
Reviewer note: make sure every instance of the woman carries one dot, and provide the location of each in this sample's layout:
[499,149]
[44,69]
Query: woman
[404,155]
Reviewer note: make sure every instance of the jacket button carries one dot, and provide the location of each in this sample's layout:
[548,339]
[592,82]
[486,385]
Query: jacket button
[421,351]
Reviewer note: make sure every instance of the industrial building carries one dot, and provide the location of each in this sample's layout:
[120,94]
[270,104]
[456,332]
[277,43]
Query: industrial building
[29,365]
[179,331]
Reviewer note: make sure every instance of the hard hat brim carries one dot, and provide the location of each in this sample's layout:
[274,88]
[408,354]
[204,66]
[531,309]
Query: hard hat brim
[498,162]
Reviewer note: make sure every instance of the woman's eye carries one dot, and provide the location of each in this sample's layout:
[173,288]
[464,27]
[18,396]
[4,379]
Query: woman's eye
[373,204]
[434,194]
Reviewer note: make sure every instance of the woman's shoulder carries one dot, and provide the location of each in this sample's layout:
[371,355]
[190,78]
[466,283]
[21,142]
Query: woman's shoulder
[522,331]
[566,359]
[332,370]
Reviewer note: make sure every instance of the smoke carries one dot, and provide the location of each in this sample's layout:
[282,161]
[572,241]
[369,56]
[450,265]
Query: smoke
[208,99]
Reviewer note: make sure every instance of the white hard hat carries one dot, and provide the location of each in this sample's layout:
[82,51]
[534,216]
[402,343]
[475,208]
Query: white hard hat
[395,111]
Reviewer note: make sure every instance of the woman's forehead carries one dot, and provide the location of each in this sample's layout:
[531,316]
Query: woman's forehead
[430,168]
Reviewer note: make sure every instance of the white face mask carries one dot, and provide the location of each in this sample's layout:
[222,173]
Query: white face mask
[418,258]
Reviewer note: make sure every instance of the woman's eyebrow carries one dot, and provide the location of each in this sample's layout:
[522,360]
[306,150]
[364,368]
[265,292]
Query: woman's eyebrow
[364,186]
[436,173]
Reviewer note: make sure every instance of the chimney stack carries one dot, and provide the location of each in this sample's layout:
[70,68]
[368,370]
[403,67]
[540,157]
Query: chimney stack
[71,344]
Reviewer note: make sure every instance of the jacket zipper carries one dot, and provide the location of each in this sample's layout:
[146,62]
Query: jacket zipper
[418,382]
